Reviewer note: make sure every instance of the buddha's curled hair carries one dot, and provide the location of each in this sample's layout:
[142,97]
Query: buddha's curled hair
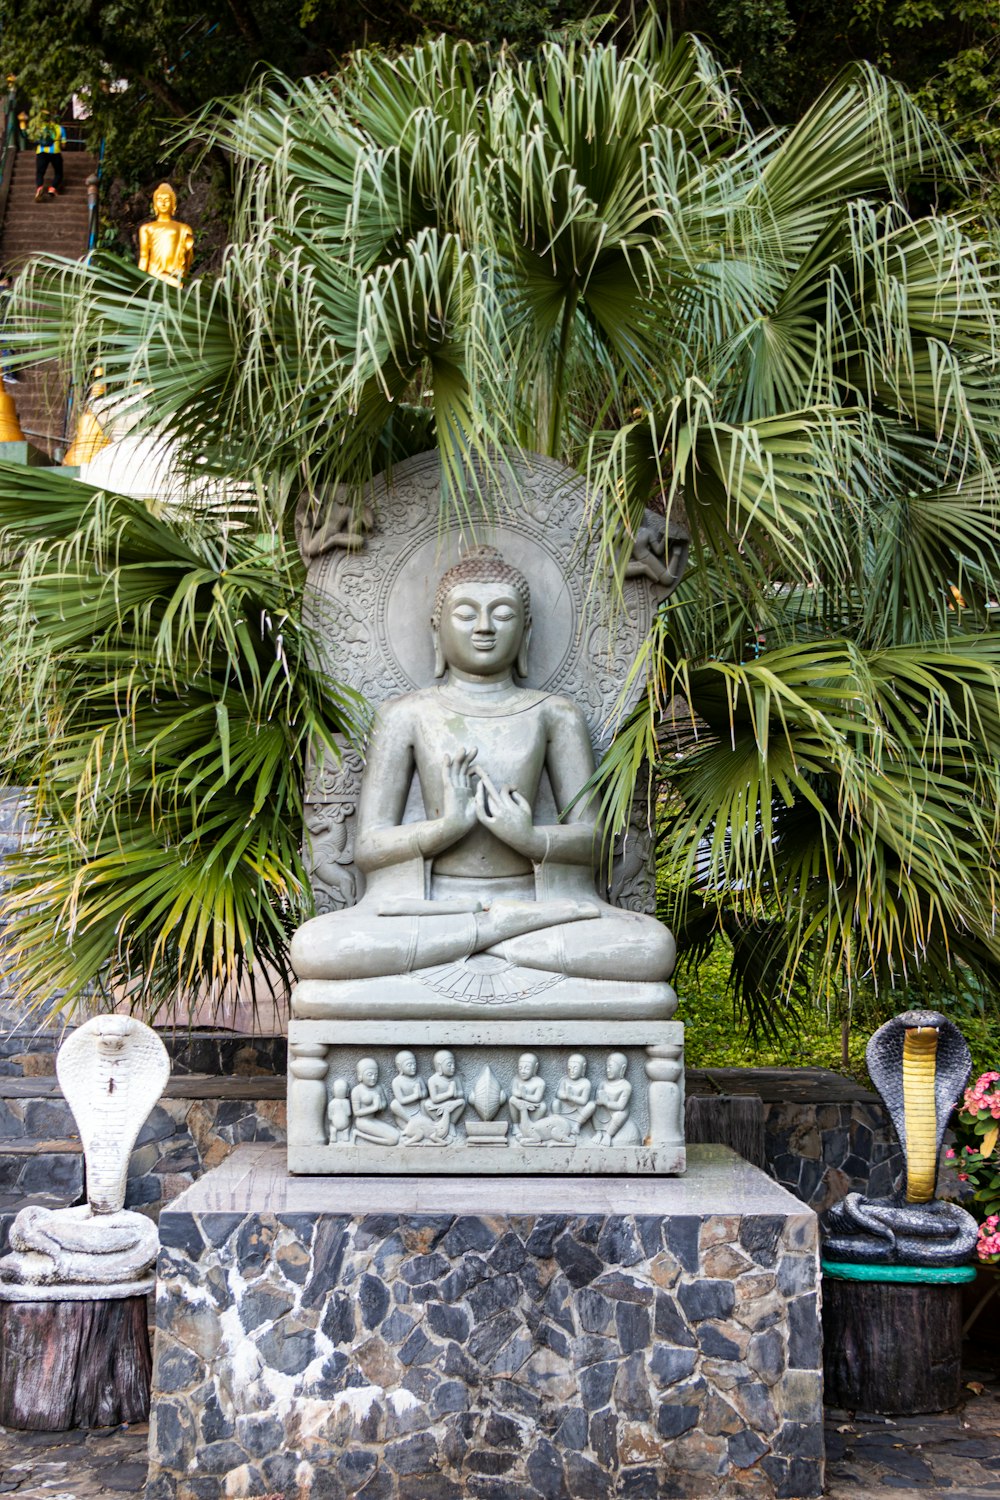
[482,564]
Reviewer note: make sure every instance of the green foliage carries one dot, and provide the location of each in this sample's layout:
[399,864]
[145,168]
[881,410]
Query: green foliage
[159,700]
[813,1034]
[715,1031]
[523,22]
[141,68]
[592,254]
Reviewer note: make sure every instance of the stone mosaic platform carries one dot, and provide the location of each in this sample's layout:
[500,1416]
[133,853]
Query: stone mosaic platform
[401,1337]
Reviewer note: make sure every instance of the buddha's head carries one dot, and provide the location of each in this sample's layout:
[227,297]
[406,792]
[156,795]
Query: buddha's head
[164,201]
[482,617]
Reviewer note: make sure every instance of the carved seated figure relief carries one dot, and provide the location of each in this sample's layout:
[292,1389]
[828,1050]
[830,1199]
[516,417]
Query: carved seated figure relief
[483,876]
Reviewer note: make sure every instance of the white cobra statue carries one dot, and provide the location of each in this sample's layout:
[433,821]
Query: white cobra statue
[112,1071]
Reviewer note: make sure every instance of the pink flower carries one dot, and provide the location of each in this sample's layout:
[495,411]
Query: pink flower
[950,1153]
[963,1176]
[988,1245]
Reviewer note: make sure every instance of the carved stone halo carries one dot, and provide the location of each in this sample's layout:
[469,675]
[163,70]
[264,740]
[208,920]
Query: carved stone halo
[556,604]
[372,607]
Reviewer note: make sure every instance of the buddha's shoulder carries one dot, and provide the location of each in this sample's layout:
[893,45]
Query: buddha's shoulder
[562,707]
[406,705]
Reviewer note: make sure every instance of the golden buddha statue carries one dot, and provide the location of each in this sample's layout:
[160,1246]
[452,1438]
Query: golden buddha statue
[166,246]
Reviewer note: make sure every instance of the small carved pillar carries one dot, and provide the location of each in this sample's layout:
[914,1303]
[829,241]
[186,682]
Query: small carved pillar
[307,1069]
[665,1071]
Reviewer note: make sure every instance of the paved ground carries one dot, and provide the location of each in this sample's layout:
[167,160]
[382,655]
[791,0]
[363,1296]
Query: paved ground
[916,1458]
[955,1454]
[109,1461]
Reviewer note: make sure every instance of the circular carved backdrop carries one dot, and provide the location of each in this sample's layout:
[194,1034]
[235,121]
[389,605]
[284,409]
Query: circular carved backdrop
[372,608]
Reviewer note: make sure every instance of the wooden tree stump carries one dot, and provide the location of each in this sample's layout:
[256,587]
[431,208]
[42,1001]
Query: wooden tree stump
[893,1346]
[74,1364]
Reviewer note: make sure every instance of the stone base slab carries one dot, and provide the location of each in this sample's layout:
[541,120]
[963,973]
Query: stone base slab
[413,1338]
[631,1082]
[75,1291]
[460,991]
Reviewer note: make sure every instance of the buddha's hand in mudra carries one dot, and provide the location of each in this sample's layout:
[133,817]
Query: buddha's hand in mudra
[458,808]
[508,815]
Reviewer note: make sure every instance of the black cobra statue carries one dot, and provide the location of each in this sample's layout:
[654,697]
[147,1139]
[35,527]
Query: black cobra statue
[920,1063]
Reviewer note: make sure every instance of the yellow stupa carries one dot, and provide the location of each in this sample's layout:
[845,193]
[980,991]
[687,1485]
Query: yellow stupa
[89,438]
[10,426]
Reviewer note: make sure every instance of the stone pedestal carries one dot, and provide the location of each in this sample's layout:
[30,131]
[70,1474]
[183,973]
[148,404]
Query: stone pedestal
[68,1360]
[405,1337]
[893,1337]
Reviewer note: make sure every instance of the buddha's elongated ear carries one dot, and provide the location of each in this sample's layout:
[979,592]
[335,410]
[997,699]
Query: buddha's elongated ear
[522,654]
[439,662]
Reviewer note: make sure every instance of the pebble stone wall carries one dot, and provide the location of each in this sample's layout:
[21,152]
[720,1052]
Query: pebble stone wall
[440,1356]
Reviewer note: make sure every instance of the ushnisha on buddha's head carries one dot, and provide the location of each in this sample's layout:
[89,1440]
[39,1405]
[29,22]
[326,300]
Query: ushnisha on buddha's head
[481,620]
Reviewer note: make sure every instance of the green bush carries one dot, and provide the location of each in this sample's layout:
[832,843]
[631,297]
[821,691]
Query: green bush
[716,1035]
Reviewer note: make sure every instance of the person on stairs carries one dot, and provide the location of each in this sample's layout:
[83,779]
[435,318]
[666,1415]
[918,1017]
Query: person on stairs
[50,138]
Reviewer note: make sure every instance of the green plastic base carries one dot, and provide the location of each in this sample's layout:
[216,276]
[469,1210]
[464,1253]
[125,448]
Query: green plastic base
[943,1275]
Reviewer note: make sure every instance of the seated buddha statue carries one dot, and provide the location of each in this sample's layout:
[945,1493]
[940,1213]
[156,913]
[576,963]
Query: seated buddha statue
[166,246]
[479,876]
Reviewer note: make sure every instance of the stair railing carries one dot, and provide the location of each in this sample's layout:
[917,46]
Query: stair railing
[8,152]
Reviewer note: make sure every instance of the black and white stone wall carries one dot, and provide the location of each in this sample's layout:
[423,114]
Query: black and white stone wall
[823,1135]
[425,1347]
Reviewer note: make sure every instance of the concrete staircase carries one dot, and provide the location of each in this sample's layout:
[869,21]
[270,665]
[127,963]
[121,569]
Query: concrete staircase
[58,226]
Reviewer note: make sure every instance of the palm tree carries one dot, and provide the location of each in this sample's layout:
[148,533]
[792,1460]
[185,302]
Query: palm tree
[590,254]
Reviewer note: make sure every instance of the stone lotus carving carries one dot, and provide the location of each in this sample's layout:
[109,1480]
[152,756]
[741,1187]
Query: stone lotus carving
[919,1062]
[487,1096]
[112,1071]
[487,1099]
